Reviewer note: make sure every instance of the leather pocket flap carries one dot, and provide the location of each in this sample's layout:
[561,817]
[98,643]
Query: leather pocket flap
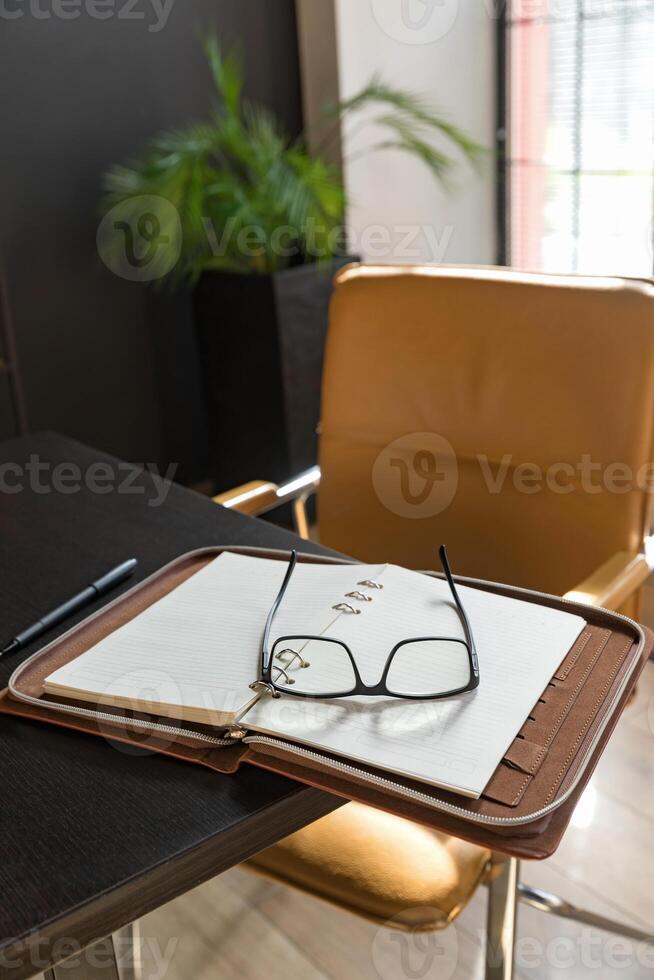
[507,785]
[525,756]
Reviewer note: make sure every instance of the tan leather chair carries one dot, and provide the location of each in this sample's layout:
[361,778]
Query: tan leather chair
[510,416]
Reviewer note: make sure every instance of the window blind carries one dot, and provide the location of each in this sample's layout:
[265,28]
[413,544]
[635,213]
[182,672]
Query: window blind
[580,142]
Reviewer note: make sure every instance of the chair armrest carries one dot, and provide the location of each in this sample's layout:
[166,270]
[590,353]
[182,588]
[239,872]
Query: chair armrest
[614,582]
[260,496]
[254,497]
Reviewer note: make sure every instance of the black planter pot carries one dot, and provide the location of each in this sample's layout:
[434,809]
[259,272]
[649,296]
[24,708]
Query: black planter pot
[261,342]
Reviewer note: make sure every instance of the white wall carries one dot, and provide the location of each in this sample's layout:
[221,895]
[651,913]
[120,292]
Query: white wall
[444,49]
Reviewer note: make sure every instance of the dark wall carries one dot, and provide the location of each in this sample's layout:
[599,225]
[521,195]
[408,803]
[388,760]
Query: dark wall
[103,359]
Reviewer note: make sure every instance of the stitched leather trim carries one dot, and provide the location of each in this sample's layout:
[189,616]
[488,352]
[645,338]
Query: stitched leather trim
[572,659]
[586,725]
[579,686]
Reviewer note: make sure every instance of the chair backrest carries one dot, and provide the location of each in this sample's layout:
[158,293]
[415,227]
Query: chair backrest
[508,415]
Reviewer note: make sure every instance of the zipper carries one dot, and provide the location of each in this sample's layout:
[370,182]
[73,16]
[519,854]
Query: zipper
[425,799]
[140,724]
[380,781]
[237,733]
[416,796]
[134,723]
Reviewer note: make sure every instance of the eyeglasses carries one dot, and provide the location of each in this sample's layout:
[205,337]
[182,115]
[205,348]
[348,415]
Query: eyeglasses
[422,667]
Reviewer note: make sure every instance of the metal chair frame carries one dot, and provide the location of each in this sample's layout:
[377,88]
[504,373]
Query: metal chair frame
[117,957]
[609,585]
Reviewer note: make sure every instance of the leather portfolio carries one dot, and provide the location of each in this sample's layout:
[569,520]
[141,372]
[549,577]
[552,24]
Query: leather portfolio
[523,810]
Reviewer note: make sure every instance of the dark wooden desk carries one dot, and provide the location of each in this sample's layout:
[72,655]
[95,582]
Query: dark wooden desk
[91,836]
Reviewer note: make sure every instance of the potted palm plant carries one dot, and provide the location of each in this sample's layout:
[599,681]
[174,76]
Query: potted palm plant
[252,222]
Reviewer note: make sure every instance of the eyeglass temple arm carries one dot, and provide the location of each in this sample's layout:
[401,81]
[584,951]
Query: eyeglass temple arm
[265,646]
[442,554]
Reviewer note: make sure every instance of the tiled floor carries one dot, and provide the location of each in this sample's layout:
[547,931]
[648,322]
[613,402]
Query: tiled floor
[239,925]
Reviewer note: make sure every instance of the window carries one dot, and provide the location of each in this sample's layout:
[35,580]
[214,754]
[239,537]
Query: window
[579,108]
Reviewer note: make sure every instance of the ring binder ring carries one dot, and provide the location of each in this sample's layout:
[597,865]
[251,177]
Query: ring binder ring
[346,607]
[264,686]
[282,673]
[359,595]
[287,656]
[370,584]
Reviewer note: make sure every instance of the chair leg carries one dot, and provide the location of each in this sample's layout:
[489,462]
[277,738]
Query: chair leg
[300,516]
[96,962]
[501,918]
[116,957]
[554,905]
[127,943]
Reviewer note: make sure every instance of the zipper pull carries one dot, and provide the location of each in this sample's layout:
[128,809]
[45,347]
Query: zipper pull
[235,733]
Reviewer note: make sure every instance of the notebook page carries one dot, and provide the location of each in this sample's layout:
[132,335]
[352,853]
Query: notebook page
[199,647]
[455,743]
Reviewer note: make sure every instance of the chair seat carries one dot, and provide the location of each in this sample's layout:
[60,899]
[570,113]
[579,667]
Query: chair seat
[379,866]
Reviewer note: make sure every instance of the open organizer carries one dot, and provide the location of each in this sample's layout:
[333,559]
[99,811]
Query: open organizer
[525,807]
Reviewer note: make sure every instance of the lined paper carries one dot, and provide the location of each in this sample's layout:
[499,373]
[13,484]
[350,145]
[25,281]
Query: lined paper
[456,743]
[198,648]
[192,655]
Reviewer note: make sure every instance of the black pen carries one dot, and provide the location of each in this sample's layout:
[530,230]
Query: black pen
[55,616]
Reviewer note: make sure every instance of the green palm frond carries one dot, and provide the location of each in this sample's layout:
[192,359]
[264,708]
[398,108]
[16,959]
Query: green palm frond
[404,137]
[411,111]
[227,73]
[237,181]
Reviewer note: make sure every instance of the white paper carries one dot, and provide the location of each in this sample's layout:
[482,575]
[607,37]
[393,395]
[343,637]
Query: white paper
[456,743]
[198,649]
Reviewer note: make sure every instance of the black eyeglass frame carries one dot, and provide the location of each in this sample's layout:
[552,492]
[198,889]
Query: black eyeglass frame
[361,689]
